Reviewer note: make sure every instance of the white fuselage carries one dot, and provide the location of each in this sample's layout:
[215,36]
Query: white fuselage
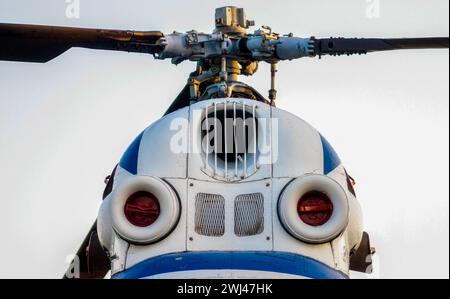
[170,150]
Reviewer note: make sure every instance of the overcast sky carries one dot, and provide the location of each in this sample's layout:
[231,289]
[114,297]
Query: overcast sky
[65,124]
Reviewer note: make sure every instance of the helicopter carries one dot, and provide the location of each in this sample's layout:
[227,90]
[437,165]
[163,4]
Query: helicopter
[225,184]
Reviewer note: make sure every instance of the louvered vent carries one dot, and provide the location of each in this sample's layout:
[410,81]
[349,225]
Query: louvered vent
[210,215]
[249,215]
[231,133]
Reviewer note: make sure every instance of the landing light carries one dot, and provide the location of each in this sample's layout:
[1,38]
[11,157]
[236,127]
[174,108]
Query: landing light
[142,209]
[315,208]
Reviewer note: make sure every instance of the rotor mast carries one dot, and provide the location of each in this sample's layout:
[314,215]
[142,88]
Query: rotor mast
[223,71]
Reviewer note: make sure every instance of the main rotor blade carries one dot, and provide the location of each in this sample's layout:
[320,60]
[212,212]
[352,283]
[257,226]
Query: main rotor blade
[35,43]
[347,46]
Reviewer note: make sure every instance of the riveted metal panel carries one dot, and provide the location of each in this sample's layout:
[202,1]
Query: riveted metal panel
[252,234]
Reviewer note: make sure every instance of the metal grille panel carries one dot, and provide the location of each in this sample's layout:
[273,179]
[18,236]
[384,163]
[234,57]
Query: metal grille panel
[240,122]
[210,215]
[249,215]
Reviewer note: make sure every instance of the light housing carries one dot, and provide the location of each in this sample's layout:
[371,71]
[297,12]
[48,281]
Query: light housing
[314,209]
[144,209]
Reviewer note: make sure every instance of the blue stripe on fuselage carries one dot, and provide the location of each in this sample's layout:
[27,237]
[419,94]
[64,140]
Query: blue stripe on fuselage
[331,159]
[279,262]
[129,160]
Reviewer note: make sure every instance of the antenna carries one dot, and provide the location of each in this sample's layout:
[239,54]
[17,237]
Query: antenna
[273,91]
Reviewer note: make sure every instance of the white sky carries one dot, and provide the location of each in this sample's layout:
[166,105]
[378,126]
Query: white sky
[65,124]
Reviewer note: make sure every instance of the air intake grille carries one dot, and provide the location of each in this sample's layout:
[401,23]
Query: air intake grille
[210,215]
[231,132]
[249,215]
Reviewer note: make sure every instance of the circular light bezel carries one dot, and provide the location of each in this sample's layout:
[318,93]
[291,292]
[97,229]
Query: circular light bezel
[170,210]
[288,214]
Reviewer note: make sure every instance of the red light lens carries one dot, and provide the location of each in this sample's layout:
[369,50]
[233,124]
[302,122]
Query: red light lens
[142,209]
[315,208]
